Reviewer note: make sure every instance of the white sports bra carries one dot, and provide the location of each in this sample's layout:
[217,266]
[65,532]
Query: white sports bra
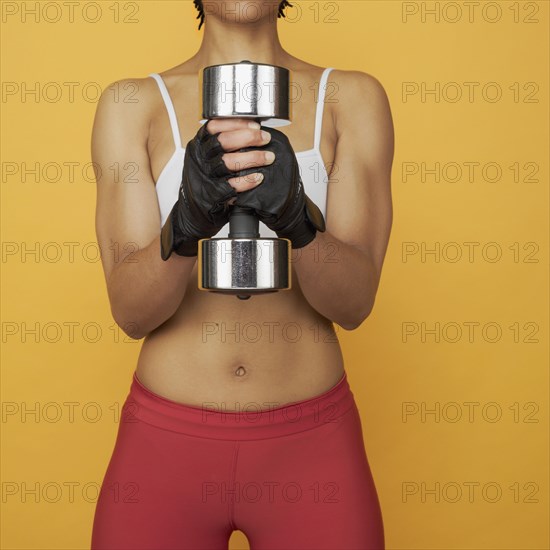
[312,167]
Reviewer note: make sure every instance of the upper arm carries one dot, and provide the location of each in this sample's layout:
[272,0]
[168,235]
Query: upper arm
[359,203]
[127,213]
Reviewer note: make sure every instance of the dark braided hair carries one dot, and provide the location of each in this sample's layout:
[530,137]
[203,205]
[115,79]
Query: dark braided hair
[200,8]
[284,4]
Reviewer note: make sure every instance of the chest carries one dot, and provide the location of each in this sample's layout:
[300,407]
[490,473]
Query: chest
[301,133]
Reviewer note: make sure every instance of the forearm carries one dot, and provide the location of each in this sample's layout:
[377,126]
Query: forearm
[145,291]
[337,279]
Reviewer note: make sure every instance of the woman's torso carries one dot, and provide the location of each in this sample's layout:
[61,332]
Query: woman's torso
[272,348]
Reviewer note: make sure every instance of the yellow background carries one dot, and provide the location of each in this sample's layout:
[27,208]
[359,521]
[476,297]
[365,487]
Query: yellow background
[384,370]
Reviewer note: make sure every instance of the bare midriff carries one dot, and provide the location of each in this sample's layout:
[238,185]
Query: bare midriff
[269,350]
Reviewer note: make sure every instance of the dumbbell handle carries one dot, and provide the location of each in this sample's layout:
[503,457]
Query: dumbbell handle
[243,224]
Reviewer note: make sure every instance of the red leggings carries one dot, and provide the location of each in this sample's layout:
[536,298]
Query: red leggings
[293,477]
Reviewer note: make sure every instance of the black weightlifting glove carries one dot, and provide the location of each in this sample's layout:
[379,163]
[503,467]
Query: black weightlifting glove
[280,201]
[201,209]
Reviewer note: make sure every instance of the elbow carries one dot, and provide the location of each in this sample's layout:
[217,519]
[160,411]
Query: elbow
[134,329]
[136,320]
[355,321]
[362,307]
[133,323]
[348,326]
[351,325]
[136,326]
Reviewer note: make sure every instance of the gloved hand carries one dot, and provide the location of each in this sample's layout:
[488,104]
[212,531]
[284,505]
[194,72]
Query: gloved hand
[201,209]
[280,201]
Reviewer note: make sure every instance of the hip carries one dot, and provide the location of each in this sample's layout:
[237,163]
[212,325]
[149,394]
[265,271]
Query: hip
[253,421]
[294,475]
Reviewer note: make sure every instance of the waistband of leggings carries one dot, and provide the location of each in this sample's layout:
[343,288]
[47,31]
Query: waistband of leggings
[249,422]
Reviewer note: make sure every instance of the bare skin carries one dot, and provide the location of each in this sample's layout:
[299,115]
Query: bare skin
[206,348]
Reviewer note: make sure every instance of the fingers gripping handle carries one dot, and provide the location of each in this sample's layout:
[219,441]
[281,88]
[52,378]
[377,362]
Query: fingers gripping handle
[243,224]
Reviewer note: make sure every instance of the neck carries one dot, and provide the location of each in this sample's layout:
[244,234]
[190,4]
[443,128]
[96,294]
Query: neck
[229,42]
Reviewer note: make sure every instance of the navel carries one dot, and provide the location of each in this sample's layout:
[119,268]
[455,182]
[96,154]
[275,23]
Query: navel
[241,371]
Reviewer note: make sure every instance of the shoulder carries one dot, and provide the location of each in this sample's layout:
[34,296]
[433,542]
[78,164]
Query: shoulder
[359,98]
[130,91]
[358,87]
[131,100]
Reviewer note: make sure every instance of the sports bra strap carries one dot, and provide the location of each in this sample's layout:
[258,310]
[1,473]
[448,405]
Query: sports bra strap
[170,108]
[320,108]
